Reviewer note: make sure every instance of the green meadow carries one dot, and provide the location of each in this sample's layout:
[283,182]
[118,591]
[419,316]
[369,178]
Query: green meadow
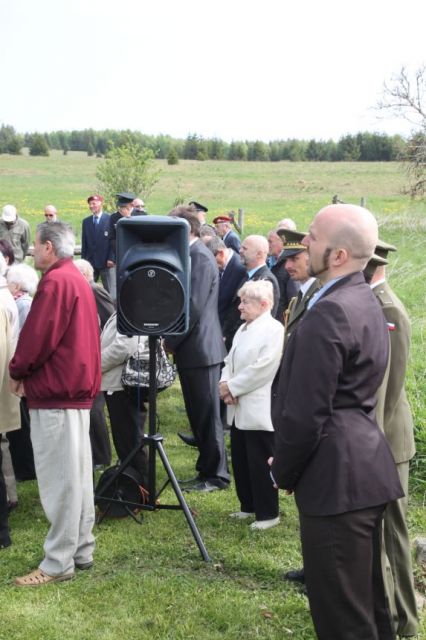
[149,580]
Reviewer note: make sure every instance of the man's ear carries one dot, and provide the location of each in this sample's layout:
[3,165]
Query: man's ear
[340,257]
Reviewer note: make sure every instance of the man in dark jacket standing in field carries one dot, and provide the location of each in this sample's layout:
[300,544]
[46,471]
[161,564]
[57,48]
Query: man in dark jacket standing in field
[199,354]
[57,367]
[95,242]
[329,449]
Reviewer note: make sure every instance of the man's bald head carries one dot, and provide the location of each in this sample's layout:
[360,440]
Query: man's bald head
[345,235]
[253,251]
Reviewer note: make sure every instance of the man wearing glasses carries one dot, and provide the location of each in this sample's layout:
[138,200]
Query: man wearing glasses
[50,213]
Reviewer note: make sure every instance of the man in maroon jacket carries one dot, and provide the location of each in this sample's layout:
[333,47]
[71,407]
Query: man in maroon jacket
[57,367]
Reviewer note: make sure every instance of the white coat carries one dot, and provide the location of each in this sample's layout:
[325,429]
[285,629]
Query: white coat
[249,370]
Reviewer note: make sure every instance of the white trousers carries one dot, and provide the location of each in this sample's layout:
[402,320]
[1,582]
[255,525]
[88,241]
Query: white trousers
[63,462]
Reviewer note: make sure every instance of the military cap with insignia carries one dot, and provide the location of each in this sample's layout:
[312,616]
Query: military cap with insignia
[383,248]
[292,242]
[374,262]
[125,198]
[198,206]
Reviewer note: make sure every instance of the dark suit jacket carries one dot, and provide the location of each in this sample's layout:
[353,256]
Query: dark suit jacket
[95,245]
[288,287]
[329,449]
[229,284]
[233,319]
[232,241]
[203,344]
[393,410]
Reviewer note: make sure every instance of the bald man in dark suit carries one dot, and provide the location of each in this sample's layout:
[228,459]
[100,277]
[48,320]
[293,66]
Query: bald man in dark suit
[329,450]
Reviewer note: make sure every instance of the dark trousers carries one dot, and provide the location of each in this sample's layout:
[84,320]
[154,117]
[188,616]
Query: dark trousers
[21,448]
[343,575]
[4,527]
[127,416]
[99,438]
[201,397]
[250,451]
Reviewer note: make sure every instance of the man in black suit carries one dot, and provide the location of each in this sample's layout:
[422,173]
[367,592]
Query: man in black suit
[328,447]
[253,254]
[95,244]
[232,273]
[223,226]
[198,355]
[277,264]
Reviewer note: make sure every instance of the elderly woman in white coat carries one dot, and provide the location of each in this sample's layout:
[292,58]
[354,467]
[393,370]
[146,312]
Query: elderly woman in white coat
[245,386]
[126,409]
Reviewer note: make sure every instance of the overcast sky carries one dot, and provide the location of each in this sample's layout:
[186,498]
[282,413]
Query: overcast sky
[233,69]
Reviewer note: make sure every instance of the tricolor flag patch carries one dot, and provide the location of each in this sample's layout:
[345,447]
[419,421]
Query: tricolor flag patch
[391,326]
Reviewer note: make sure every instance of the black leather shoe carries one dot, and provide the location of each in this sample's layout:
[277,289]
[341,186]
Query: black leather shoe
[190,480]
[204,486]
[187,439]
[295,575]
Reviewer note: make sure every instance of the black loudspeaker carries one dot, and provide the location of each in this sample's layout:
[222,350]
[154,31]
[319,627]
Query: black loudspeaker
[153,276]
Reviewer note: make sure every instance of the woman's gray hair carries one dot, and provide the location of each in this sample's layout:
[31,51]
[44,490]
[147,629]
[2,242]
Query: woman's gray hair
[24,276]
[60,235]
[85,269]
[258,290]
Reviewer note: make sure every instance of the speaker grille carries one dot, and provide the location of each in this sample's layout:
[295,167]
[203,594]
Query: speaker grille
[151,300]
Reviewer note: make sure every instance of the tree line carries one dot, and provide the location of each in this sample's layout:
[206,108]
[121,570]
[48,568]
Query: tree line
[363,147]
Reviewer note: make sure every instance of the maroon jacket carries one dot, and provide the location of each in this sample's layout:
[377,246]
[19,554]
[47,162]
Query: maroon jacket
[58,352]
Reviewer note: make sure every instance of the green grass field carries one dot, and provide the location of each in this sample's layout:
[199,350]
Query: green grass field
[149,580]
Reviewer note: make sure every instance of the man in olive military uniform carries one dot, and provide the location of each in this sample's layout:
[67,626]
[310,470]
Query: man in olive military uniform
[394,417]
[296,259]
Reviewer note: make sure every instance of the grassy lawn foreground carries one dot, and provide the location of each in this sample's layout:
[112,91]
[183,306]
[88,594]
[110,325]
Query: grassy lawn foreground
[149,580]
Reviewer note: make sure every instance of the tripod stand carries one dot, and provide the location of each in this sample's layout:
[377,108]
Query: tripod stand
[155,442]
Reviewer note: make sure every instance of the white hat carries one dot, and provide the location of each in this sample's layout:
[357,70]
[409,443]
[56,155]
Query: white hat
[9,213]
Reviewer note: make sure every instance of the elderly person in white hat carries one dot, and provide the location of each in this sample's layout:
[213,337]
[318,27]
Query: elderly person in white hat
[16,231]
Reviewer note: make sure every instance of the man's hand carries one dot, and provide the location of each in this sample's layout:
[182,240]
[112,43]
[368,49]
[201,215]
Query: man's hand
[16,387]
[110,264]
[287,491]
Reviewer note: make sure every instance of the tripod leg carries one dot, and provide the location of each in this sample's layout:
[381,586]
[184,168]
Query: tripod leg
[182,502]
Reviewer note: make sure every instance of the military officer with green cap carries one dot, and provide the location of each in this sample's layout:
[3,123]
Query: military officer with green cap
[394,417]
[296,263]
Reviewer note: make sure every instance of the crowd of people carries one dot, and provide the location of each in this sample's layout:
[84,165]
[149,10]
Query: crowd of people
[296,343]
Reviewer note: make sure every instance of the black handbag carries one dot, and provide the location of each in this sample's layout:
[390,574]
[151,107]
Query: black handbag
[136,370]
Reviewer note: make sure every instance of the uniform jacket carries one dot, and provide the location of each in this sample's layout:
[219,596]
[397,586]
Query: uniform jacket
[329,449]
[288,288]
[95,241]
[58,351]
[249,370]
[10,416]
[393,411]
[202,345]
[296,310]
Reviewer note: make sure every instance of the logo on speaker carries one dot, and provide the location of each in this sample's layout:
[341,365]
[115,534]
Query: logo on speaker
[151,273]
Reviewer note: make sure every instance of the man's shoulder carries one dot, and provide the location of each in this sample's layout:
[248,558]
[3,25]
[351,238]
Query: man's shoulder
[264,273]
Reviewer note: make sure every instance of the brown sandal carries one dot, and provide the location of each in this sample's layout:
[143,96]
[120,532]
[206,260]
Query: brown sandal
[38,577]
